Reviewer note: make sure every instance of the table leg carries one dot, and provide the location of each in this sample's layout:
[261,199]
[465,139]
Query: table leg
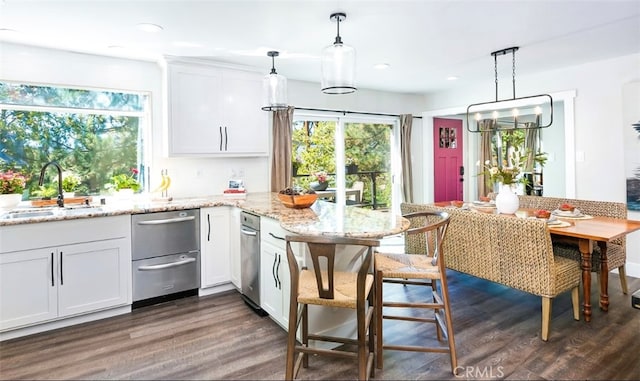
[585,250]
[604,277]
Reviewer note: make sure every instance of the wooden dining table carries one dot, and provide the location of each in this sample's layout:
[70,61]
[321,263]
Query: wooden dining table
[584,233]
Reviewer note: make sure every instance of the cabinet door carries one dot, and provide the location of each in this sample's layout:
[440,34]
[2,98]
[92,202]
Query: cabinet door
[270,287]
[285,285]
[247,130]
[234,248]
[94,276]
[214,246]
[195,110]
[28,287]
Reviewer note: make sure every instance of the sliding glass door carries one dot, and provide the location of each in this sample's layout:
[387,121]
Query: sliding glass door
[357,155]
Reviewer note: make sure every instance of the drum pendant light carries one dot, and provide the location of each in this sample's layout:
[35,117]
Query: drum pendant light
[274,88]
[338,64]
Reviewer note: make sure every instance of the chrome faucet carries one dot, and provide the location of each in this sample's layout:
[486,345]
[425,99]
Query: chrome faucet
[60,201]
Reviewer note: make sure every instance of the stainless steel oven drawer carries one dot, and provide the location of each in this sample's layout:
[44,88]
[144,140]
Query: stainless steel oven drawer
[165,275]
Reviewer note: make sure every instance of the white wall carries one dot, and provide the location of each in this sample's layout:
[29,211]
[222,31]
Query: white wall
[599,125]
[191,176]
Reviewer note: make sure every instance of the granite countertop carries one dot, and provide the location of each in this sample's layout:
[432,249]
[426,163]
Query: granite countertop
[323,218]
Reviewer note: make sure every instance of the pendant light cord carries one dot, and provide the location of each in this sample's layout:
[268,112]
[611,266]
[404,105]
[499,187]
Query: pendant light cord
[513,71]
[338,38]
[495,68]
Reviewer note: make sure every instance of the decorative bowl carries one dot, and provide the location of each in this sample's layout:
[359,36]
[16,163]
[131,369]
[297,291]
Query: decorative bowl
[567,207]
[457,203]
[542,214]
[298,201]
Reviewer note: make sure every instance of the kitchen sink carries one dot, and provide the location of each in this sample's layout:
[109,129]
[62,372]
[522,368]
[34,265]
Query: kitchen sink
[26,214]
[53,211]
[76,210]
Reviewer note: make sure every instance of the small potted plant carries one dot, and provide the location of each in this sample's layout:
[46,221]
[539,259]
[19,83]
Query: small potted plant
[321,182]
[125,185]
[70,182]
[11,187]
[351,166]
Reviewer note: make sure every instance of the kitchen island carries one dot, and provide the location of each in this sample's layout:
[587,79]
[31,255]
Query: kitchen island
[74,264]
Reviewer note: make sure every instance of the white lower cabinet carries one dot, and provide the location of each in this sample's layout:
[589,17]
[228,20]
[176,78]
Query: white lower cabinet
[215,262]
[275,282]
[39,284]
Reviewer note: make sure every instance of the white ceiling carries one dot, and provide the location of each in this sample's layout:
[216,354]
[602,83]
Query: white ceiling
[424,41]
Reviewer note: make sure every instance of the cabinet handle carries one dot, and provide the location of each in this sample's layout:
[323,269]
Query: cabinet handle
[208,228]
[61,271]
[220,127]
[278,272]
[52,274]
[276,237]
[225,138]
[273,270]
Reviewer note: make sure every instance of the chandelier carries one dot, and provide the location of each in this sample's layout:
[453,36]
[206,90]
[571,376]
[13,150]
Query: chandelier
[517,113]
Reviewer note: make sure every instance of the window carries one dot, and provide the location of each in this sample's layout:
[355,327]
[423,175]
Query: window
[357,153]
[92,134]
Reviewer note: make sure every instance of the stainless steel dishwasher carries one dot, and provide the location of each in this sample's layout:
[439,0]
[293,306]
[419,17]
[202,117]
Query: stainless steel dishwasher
[250,259]
[166,253]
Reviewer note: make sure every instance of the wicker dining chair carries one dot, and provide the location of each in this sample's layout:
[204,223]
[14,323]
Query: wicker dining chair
[323,285]
[423,265]
[616,249]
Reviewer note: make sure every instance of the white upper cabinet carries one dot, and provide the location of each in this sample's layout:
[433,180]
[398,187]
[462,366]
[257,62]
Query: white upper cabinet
[215,111]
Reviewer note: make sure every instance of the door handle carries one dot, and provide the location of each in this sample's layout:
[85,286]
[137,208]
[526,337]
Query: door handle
[52,273]
[461,170]
[208,228]
[226,138]
[248,232]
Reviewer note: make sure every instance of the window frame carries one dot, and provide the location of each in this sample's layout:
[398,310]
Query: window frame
[145,118]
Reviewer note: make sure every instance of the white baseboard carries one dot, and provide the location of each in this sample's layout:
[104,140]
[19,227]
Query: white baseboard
[65,322]
[216,289]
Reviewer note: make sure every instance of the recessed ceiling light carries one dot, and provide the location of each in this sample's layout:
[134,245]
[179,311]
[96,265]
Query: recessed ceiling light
[381,66]
[187,44]
[7,31]
[452,78]
[151,28]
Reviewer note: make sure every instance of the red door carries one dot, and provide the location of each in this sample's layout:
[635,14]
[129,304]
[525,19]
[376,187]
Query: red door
[447,159]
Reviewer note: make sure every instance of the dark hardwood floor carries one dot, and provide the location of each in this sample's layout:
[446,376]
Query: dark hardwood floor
[218,337]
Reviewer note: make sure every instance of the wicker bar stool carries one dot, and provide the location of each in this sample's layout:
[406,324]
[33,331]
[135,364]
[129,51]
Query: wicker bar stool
[324,286]
[423,265]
